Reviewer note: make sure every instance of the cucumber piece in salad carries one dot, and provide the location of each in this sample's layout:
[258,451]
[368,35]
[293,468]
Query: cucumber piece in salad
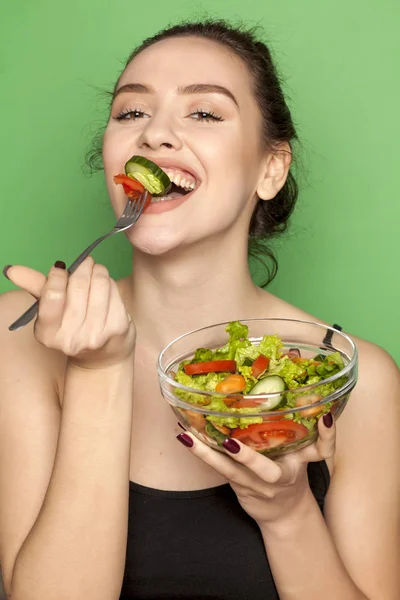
[271,384]
[148,174]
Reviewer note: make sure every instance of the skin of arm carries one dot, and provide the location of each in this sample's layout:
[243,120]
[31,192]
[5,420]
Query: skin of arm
[64,473]
[355,554]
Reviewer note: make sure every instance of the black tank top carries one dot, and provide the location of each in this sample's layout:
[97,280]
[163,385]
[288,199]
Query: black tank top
[199,545]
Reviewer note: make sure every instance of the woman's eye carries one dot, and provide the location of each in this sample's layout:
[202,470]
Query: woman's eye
[130,115]
[205,115]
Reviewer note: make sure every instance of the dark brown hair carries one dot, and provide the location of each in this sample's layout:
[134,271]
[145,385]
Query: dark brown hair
[270,218]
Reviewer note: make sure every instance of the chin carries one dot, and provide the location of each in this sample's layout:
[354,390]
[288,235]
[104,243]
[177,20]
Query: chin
[154,241]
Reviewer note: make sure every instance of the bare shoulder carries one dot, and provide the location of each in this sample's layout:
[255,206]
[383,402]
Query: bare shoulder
[21,347]
[367,431]
[368,428]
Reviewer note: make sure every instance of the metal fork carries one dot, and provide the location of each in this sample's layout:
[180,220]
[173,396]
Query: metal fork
[132,212]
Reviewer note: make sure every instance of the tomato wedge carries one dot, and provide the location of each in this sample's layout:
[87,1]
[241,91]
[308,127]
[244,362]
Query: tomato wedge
[259,366]
[299,359]
[212,366]
[309,399]
[132,188]
[246,403]
[231,384]
[196,419]
[269,434]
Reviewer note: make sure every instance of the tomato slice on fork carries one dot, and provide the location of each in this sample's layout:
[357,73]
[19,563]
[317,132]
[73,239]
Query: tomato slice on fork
[132,188]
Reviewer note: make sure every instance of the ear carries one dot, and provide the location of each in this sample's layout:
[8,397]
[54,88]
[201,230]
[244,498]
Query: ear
[275,171]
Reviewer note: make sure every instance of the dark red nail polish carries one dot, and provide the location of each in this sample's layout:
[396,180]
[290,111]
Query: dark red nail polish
[230,445]
[60,264]
[181,426]
[328,420]
[185,440]
[5,271]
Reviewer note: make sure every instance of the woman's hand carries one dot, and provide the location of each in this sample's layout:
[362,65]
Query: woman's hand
[81,315]
[269,491]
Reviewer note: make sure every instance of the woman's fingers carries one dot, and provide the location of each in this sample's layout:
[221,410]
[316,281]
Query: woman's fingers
[27,279]
[51,305]
[255,470]
[324,447]
[77,296]
[82,315]
[121,319]
[249,461]
[98,301]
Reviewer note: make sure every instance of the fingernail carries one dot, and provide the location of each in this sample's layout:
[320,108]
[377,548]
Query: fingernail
[181,426]
[5,271]
[185,440]
[60,264]
[230,445]
[328,419]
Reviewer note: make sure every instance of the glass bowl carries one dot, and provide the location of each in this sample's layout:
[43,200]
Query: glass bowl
[271,423]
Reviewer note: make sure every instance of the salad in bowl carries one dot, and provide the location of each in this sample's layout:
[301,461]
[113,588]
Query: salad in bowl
[264,382]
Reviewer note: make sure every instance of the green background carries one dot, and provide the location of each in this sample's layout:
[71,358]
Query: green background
[340,61]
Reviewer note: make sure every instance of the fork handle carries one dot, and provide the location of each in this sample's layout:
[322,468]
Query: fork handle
[29,314]
[72,268]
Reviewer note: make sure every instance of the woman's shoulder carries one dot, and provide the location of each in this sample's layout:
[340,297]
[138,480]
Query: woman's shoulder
[378,383]
[371,356]
[20,348]
[373,410]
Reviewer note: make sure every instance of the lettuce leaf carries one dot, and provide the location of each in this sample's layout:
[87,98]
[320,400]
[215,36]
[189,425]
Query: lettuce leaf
[271,346]
[237,331]
[250,351]
[332,364]
[238,339]
[206,382]
[289,371]
[250,380]
[233,422]
[232,419]
[203,355]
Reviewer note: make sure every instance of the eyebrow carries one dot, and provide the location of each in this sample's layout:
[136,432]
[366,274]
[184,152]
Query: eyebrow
[194,88]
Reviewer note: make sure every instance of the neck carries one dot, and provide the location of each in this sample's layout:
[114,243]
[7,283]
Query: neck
[191,287]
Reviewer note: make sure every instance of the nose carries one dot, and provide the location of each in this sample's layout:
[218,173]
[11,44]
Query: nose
[159,132]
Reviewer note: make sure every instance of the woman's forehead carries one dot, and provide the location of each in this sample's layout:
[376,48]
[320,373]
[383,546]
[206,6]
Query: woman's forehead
[184,60]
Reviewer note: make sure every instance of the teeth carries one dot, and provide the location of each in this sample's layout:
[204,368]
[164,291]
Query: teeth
[184,181]
[161,198]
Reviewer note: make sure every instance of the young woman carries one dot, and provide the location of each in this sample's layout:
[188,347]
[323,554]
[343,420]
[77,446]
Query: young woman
[98,499]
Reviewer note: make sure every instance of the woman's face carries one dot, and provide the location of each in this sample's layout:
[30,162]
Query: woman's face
[187,104]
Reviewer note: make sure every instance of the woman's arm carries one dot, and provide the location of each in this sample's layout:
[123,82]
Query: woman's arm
[76,547]
[355,554]
[75,508]
[304,560]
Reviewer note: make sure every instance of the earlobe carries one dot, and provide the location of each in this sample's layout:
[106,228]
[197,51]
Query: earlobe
[274,175]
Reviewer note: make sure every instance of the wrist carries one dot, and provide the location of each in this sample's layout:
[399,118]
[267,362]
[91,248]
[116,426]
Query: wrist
[100,365]
[292,520]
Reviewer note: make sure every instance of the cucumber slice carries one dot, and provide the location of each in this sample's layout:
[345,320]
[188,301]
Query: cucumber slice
[269,385]
[148,174]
